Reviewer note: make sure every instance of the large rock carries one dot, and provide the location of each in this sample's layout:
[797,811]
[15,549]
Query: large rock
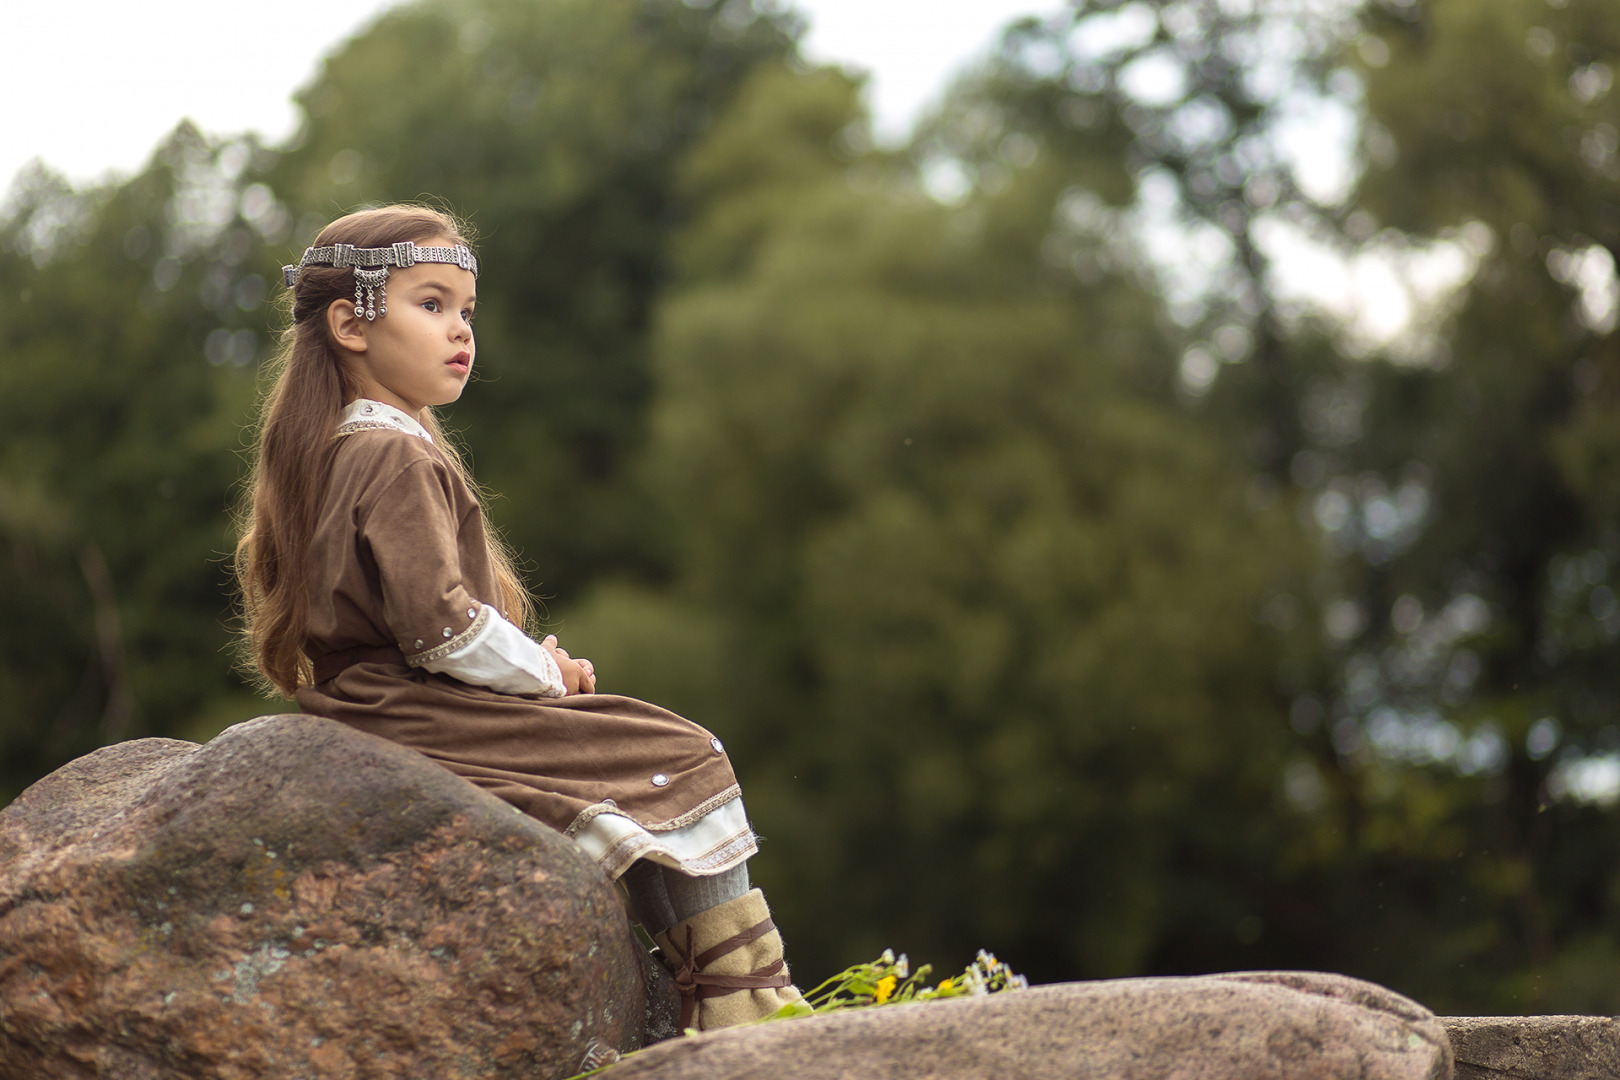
[1535,1047]
[296,899]
[1255,1026]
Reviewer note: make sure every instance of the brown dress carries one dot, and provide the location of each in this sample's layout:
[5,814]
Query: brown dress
[399,561]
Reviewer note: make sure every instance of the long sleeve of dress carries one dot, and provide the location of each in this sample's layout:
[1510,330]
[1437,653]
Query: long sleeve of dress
[414,535]
[504,658]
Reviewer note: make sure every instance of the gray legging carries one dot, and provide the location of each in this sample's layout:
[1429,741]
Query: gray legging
[663,897]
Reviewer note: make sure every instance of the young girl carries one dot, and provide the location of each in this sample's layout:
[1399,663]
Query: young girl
[375,596]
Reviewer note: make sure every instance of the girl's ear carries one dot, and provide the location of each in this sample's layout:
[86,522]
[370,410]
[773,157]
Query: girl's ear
[346,325]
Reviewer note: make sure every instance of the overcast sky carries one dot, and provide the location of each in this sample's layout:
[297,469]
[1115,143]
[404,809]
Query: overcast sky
[94,85]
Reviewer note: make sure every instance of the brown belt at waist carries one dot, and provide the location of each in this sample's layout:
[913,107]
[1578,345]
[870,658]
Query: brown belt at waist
[333,664]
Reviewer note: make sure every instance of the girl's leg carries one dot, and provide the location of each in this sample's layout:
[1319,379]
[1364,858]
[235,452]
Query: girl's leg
[662,896]
[689,895]
[724,949]
[644,881]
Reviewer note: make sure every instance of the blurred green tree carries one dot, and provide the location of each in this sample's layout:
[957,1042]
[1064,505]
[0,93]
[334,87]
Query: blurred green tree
[1487,596]
[1427,838]
[977,612]
[132,315]
[1462,475]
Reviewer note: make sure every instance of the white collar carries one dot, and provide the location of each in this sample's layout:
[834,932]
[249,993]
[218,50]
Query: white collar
[364,413]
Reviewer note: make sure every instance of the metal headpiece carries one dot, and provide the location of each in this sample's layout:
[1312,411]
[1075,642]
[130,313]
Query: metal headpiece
[371,268]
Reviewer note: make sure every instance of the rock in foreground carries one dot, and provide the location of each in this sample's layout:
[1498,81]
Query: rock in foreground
[1252,1026]
[293,899]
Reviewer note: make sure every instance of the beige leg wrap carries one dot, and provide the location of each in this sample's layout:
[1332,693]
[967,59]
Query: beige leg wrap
[728,964]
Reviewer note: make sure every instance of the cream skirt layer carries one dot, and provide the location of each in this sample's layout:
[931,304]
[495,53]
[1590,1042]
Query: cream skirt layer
[719,839]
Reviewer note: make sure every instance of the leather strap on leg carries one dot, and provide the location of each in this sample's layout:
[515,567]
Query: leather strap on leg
[697,985]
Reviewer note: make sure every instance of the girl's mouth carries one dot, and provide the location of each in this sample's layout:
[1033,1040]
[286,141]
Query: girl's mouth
[462,362]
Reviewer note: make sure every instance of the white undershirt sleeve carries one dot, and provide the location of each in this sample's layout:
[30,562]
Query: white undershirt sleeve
[503,658]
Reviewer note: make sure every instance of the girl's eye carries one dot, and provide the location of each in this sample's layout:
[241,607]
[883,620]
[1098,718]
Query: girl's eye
[468,314]
[431,305]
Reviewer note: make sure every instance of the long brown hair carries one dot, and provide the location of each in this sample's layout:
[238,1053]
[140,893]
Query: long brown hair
[292,457]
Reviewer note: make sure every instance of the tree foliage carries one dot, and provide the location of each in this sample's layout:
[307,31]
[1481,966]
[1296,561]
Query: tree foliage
[963,562]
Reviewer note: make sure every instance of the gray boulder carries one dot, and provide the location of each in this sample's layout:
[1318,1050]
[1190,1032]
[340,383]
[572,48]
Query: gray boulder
[1535,1047]
[293,899]
[1252,1026]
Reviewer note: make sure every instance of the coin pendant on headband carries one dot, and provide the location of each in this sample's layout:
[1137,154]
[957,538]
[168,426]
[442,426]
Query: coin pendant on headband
[372,280]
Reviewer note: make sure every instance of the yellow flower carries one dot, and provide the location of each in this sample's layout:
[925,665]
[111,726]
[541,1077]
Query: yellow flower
[947,984]
[885,987]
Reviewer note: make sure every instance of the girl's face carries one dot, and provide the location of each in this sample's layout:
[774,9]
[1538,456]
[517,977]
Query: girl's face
[421,352]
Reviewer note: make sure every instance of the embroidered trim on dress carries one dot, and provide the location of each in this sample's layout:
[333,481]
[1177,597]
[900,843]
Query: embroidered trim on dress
[366,425]
[363,414]
[439,652]
[719,858]
[701,810]
[617,859]
[716,842]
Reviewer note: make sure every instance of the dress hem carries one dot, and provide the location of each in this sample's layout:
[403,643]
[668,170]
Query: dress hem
[717,838]
[702,810]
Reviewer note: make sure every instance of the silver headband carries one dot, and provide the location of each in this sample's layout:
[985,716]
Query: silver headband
[371,267]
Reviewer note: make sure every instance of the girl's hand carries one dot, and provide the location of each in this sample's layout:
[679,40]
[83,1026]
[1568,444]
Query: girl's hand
[579,676]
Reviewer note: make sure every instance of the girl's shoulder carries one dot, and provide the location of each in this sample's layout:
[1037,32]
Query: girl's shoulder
[375,468]
[383,451]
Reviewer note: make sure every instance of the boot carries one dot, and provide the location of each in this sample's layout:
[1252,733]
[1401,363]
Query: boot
[728,964]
